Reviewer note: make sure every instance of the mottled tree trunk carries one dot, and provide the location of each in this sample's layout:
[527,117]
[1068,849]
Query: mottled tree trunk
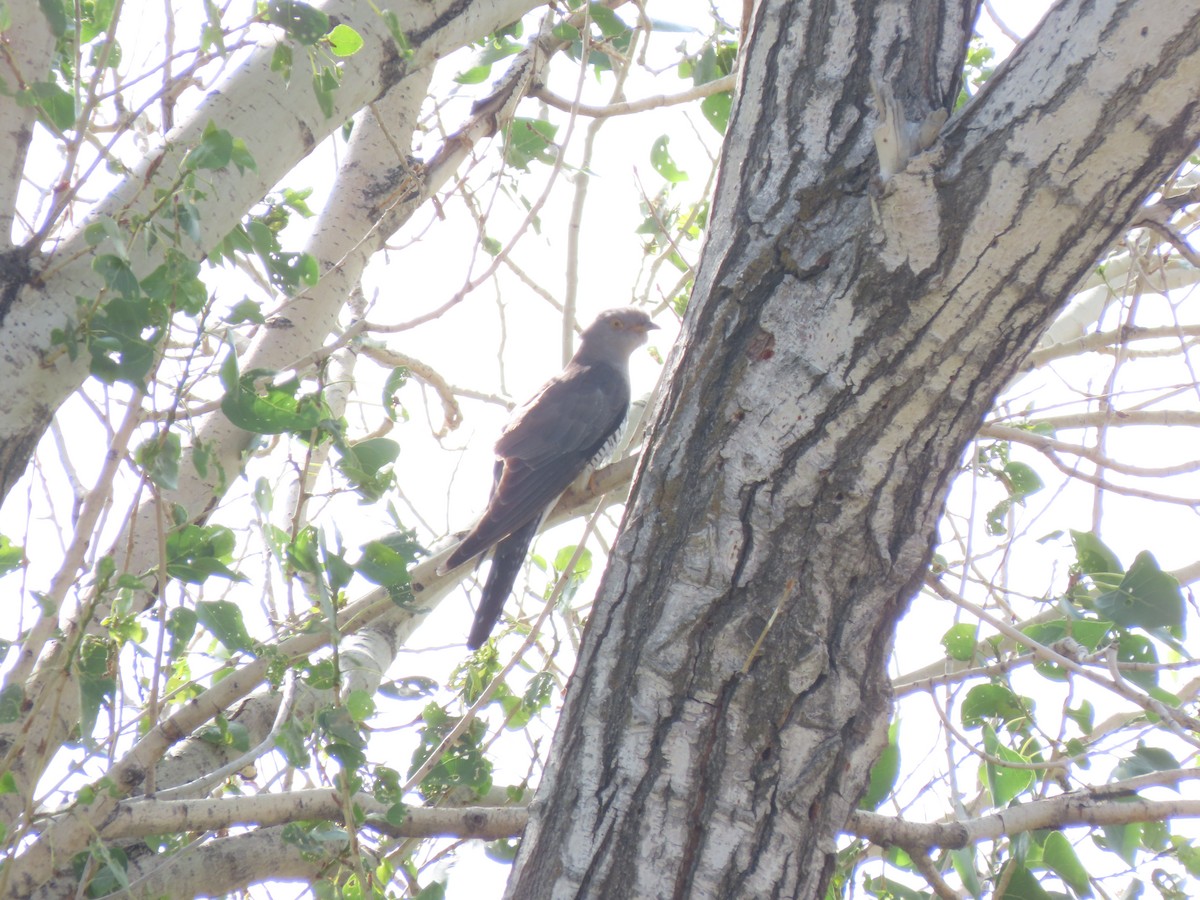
[844,339]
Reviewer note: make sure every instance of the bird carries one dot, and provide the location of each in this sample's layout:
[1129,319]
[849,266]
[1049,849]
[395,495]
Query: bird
[561,434]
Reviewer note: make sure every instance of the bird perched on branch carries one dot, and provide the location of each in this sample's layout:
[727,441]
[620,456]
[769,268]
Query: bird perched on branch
[569,427]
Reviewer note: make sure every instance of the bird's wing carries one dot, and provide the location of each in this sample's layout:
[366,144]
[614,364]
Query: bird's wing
[547,446]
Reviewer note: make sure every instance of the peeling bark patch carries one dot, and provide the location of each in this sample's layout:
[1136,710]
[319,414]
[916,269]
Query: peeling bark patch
[392,69]
[306,136]
[15,273]
[761,346]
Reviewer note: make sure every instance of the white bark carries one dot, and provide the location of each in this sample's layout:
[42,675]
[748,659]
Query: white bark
[842,345]
[280,124]
[28,44]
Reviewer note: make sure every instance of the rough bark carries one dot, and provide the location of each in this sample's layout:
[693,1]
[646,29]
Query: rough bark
[843,342]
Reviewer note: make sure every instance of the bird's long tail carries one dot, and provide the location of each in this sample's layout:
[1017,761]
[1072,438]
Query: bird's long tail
[507,560]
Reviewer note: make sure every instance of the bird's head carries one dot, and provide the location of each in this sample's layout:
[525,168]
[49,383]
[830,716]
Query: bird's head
[615,334]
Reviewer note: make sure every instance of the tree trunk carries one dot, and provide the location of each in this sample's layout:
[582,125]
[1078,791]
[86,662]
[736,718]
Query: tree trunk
[845,337]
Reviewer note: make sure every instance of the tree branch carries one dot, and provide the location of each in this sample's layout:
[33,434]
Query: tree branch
[1087,808]
[627,107]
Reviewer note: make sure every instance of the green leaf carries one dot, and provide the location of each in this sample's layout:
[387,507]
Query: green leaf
[392,21]
[1147,597]
[181,625]
[1188,855]
[325,83]
[395,380]
[1059,856]
[159,457]
[1156,836]
[337,723]
[1143,761]
[715,61]
[12,698]
[264,498]
[56,104]
[413,687]
[465,765]
[519,711]
[321,675]
[566,33]
[609,22]
[1084,716]
[56,15]
[890,889]
[223,620]
[386,787]
[344,40]
[275,410]
[1134,648]
[963,861]
[96,667]
[246,311]
[241,156]
[11,556]
[121,338]
[360,706]
[367,466]
[214,151]
[117,275]
[993,701]
[303,23]
[884,772]
[290,740]
[1093,557]
[1089,632]
[223,733]
[109,874]
[529,140]
[1022,885]
[435,890]
[960,641]
[337,571]
[177,283]
[662,162]
[302,552]
[384,563]
[281,61]
[396,814]
[716,109]
[1021,480]
[1004,784]
[197,552]
[576,577]
[474,75]
[187,219]
[211,34]
[106,227]
[1123,840]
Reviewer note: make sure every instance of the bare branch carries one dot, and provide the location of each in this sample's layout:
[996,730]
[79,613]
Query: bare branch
[628,107]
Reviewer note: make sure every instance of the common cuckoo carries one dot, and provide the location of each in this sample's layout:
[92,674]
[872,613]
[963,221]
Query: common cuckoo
[569,427]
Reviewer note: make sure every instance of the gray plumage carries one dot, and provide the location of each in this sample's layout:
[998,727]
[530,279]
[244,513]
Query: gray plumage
[568,427]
